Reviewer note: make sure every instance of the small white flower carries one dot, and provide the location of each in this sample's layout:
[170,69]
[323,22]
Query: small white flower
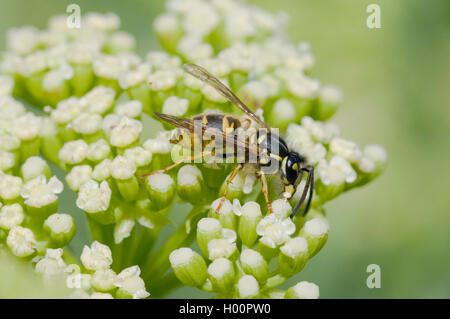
[73,152]
[316,227]
[134,77]
[284,109]
[239,25]
[93,197]
[6,85]
[192,48]
[33,167]
[103,22]
[11,216]
[129,109]
[302,86]
[10,108]
[160,144]
[108,66]
[125,132]
[174,105]
[122,168]
[34,63]
[331,94]
[275,230]
[306,290]
[294,246]
[161,60]
[346,149]
[10,186]
[22,40]
[7,160]
[98,150]
[101,295]
[200,20]
[98,100]
[55,78]
[101,170]
[166,23]
[122,41]
[376,153]
[128,280]
[123,230]
[336,171]
[162,80]
[140,156]
[52,265]
[21,241]
[67,110]
[38,192]
[78,175]
[87,123]
[103,279]
[248,286]
[9,142]
[27,126]
[281,208]
[226,208]
[220,247]
[98,256]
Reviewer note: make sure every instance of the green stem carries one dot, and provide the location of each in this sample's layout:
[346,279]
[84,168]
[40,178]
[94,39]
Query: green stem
[158,262]
[164,286]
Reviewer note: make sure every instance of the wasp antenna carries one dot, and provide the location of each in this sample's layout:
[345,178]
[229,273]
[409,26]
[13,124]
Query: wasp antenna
[309,187]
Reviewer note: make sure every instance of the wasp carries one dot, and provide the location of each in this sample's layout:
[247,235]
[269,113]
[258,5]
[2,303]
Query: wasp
[266,151]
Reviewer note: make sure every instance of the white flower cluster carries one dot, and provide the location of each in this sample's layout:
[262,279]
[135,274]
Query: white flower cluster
[100,281]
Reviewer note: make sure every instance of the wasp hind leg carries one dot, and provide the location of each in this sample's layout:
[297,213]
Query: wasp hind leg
[228,182]
[184,160]
[265,190]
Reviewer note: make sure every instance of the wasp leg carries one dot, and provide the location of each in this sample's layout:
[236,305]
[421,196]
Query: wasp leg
[245,123]
[265,190]
[184,160]
[228,182]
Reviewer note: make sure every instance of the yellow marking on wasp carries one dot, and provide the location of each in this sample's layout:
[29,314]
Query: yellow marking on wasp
[261,139]
[275,156]
[205,119]
[295,166]
[264,161]
[290,189]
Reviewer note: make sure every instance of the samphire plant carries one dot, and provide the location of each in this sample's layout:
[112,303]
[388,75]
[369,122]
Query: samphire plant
[81,99]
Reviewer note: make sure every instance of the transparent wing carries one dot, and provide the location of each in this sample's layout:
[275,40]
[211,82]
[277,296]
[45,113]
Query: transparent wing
[203,75]
[230,139]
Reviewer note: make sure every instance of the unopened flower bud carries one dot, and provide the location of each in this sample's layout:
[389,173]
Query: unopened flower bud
[161,190]
[188,266]
[293,256]
[254,264]
[248,287]
[60,228]
[303,290]
[315,231]
[221,273]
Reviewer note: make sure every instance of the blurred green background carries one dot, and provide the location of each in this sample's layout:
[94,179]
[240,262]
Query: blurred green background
[396,84]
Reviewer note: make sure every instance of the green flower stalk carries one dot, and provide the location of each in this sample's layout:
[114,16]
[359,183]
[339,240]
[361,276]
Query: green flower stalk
[96,94]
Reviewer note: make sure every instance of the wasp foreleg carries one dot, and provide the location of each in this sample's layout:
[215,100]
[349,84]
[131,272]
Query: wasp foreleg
[265,190]
[184,160]
[227,184]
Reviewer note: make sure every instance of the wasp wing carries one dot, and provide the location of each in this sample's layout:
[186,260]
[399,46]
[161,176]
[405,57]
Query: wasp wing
[230,139]
[203,75]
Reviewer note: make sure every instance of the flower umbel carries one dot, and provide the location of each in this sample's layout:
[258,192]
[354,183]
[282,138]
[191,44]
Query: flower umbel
[96,94]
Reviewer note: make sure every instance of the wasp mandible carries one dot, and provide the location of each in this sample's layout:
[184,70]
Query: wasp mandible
[266,151]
